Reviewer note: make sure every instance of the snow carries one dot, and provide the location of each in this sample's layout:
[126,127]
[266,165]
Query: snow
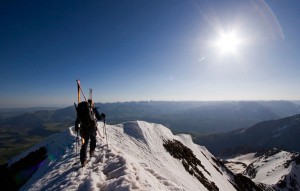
[240,163]
[134,159]
[271,169]
[246,159]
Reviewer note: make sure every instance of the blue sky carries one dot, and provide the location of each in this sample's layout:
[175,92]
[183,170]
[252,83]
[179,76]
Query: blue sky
[147,50]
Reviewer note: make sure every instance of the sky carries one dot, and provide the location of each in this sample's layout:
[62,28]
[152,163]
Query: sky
[148,50]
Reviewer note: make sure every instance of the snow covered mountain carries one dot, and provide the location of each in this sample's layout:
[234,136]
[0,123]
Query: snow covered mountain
[279,170]
[138,156]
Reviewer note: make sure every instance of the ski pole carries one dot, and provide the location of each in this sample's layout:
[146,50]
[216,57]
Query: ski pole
[98,131]
[104,127]
[77,144]
[97,128]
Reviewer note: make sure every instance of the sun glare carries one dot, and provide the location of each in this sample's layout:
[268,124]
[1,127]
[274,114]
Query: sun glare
[228,43]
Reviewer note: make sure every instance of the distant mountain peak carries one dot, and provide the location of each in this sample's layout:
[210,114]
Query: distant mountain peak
[281,133]
[275,168]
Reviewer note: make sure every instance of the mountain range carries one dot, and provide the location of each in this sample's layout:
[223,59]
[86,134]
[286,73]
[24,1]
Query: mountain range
[21,128]
[200,117]
[209,116]
[282,133]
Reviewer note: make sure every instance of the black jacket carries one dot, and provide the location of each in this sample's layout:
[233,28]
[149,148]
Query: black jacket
[98,116]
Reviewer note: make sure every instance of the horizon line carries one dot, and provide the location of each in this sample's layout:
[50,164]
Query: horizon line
[136,101]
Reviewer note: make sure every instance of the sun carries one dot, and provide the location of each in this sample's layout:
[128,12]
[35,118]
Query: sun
[228,43]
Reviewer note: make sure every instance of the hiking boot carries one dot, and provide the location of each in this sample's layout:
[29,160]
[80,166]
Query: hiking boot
[91,154]
[84,163]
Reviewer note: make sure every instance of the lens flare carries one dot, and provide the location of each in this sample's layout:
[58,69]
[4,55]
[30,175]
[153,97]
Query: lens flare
[228,42]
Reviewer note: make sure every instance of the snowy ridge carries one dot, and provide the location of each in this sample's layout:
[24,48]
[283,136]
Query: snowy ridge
[134,159]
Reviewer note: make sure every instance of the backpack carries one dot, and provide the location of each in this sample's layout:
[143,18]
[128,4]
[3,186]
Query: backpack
[86,115]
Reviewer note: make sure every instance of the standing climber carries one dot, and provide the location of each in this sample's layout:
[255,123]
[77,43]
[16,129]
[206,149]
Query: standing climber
[86,124]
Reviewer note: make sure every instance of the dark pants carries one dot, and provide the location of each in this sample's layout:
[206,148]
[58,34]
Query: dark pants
[87,136]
